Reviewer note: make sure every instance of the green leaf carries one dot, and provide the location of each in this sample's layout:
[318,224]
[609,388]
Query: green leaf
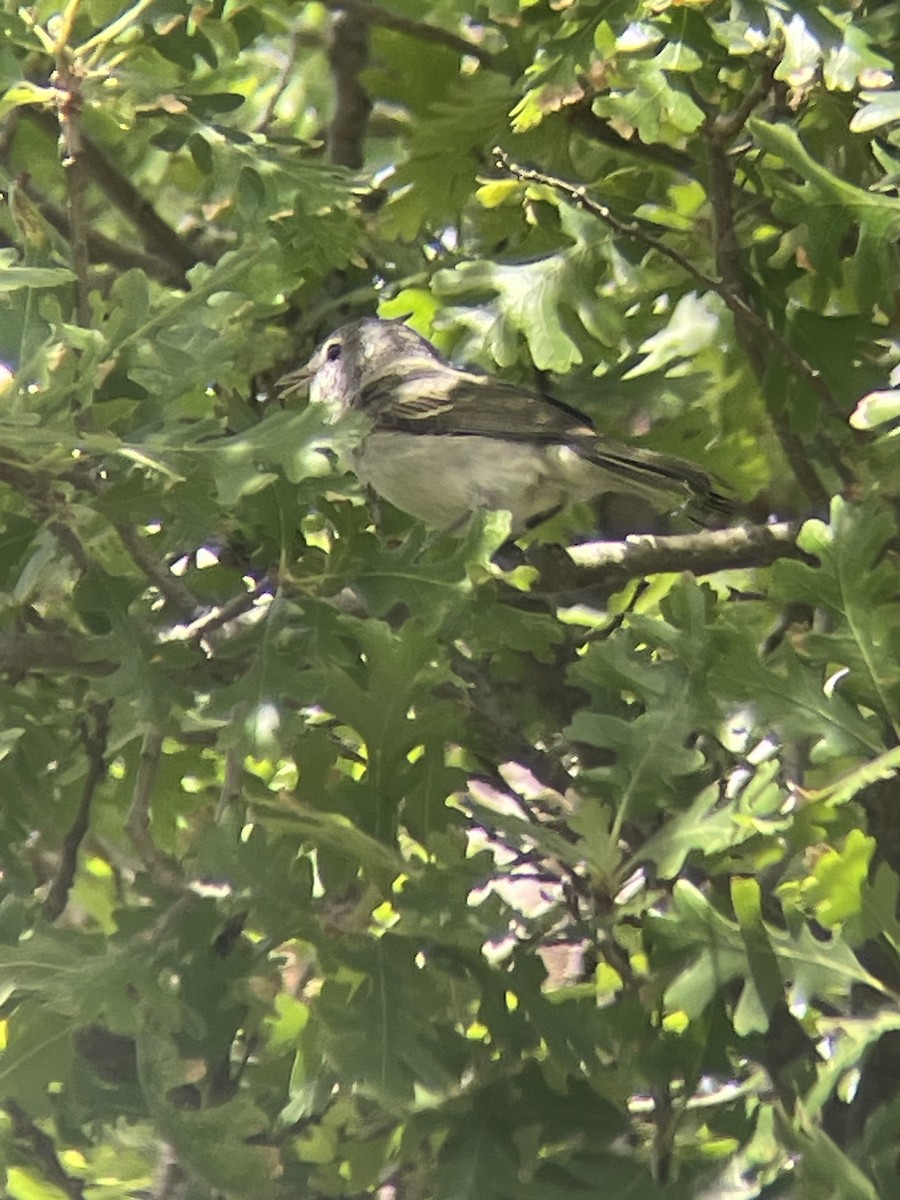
[877,408]
[859,587]
[12,278]
[879,108]
[829,204]
[835,884]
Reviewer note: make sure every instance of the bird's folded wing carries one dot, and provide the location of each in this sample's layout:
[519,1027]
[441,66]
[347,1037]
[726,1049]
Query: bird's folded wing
[463,404]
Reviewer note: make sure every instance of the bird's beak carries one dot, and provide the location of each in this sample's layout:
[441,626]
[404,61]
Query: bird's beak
[295,382]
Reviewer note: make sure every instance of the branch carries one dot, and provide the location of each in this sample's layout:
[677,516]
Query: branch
[51,653]
[612,565]
[718,132]
[583,118]
[284,77]
[743,313]
[175,593]
[169,1183]
[103,249]
[159,866]
[348,55]
[68,110]
[37,485]
[200,629]
[374,14]
[155,232]
[43,1151]
[232,783]
[726,126]
[94,741]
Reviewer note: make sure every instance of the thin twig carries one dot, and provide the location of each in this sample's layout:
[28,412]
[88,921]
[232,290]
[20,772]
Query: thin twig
[727,126]
[284,77]
[43,1150]
[160,867]
[578,194]
[94,738]
[174,592]
[209,622]
[374,14]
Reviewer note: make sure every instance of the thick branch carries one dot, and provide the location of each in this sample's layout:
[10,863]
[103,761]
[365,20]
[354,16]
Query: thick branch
[348,56]
[374,14]
[50,653]
[582,117]
[718,131]
[611,565]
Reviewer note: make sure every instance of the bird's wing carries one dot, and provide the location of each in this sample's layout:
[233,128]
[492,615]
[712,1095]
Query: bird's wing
[463,404]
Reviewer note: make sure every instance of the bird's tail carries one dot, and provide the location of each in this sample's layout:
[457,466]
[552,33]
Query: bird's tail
[665,478]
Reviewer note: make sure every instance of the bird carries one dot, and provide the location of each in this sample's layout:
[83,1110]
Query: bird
[442,442]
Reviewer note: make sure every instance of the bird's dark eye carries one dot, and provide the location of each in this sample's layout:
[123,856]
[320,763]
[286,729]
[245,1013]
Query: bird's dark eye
[333,351]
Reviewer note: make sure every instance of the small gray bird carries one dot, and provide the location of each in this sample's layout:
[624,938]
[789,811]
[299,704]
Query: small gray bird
[444,442]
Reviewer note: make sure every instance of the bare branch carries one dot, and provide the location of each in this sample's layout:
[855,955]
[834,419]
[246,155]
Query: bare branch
[161,869]
[175,593]
[374,14]
[94,739]
[611,565]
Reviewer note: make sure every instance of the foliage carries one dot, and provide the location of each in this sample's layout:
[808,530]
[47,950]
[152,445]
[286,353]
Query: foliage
[335,860]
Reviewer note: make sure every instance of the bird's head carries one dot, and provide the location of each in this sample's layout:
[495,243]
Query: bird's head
[355,356]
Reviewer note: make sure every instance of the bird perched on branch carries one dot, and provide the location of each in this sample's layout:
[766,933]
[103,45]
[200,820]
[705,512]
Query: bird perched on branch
[443,442]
